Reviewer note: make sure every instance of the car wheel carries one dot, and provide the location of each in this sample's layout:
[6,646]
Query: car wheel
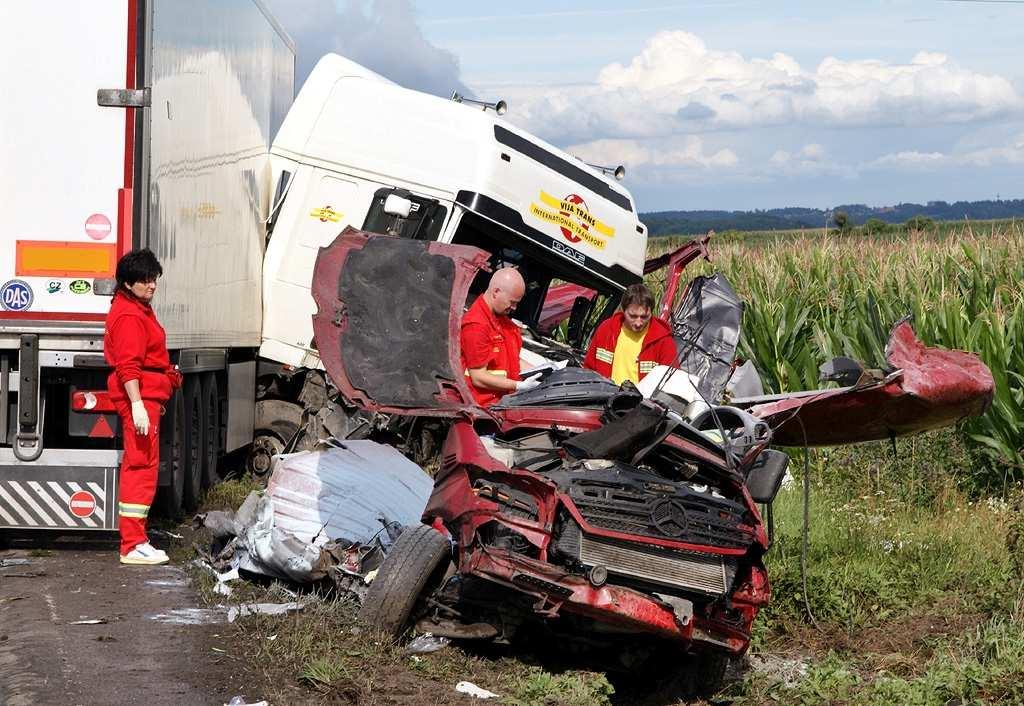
[415,565]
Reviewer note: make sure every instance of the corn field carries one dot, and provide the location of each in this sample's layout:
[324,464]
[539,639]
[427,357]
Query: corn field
[812,298]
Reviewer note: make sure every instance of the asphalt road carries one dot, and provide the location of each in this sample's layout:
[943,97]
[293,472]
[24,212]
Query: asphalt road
[153,646]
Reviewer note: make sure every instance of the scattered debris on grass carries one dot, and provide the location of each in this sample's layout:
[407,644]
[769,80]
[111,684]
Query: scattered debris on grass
[426,643]
[189,616]
[468,687]
[327,514]
[235,612]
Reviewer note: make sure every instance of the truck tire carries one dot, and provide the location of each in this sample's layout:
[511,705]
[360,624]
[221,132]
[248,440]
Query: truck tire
[276,423]
[210,395]
[415,564]
[195,428]
[170,497]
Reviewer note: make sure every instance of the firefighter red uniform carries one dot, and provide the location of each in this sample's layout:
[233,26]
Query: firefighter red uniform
[135,346]
[658,347]
[491,342]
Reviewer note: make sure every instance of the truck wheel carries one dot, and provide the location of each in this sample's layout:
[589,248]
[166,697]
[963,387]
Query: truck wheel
[210,395]
[170,497]
[415,565]
[276,423]
[195,427]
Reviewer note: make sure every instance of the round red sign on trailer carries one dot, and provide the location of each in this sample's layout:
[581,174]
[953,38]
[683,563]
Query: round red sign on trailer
[82,504]
[97,226]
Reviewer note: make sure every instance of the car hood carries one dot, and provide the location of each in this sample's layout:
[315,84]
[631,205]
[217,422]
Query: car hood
[389,312]
[924,388]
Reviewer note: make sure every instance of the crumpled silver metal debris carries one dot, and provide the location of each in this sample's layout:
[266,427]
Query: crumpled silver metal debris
[322,508]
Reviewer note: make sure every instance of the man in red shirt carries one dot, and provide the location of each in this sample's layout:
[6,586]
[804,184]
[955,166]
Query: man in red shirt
[491,341]
[630,343]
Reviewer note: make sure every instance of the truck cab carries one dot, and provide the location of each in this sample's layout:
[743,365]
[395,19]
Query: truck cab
[358,150]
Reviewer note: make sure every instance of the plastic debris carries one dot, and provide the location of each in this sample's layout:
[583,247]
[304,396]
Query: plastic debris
[240,701]
[188,616]
[235,612]
[90,621]
[471,689]
[426,643]
[165,533]
[4,563]
[330,513]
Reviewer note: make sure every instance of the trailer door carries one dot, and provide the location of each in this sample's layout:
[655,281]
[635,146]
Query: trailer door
[66,161]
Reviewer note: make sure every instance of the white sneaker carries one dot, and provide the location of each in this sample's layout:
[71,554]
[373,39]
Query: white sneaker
[145,554]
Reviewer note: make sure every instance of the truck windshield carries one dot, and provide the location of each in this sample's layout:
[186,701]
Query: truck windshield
[544,272]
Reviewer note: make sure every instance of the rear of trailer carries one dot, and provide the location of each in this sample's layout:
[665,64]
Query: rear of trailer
[130,123]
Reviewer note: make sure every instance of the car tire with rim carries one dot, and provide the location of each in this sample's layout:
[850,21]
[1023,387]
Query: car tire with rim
[415,565]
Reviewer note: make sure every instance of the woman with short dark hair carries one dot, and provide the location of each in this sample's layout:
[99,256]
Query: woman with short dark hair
[142,381]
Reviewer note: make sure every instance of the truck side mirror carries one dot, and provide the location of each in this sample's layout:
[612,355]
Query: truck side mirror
[577,317]
[398,206]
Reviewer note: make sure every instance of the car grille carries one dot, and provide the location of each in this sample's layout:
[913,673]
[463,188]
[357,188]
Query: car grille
[705,573]
[707,521]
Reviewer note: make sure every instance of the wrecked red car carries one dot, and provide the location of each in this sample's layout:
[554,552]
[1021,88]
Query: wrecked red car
[579,513]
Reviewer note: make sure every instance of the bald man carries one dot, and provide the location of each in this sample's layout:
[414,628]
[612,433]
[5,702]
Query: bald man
[491,341]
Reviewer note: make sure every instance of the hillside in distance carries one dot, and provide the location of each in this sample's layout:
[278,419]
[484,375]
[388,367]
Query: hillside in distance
[693,222]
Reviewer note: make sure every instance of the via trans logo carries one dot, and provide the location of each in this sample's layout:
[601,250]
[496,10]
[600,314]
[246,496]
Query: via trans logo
[16,295]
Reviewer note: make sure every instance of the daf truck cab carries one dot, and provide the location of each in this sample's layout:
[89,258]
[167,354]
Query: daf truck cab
[358,150]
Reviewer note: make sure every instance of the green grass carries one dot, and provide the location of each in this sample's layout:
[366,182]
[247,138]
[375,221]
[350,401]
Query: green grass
[914,591]
[229,493]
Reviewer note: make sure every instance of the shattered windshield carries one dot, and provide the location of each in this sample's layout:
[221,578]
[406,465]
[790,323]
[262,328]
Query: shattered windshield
[541,269]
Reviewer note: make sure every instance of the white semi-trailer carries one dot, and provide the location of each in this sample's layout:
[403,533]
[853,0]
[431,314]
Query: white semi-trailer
[171,124]
[177,161]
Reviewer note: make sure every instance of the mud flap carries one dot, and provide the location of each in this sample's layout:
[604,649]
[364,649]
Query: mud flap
[53,493]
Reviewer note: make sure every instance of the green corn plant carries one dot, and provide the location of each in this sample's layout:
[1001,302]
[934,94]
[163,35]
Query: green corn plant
[812,298]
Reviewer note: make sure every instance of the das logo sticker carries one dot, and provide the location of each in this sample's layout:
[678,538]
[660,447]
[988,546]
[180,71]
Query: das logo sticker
[573,217]
[80,286]
[16,295]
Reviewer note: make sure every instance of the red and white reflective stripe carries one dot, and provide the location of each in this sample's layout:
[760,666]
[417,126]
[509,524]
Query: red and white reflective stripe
[47,504]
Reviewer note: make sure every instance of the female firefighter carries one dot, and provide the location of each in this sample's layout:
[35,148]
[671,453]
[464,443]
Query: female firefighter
[142,381]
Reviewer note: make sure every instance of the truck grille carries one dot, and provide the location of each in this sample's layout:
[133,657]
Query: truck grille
[714,523]
[705,573]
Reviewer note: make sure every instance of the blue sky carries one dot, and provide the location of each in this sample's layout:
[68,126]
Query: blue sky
[735,104]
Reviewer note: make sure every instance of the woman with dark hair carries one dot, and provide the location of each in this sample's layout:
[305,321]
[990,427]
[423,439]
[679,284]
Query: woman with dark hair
[135,346]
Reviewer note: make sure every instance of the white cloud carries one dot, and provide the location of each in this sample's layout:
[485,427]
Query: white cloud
[813,152]
[382,35]
[677,83]
[687,151]
[909,159]
[985,157]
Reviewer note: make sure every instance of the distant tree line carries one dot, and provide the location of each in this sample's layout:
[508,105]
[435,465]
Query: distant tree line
[693,222]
